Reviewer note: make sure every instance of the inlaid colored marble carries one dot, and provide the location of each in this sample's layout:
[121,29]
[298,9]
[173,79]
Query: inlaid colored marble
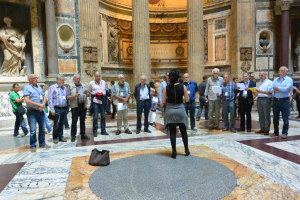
[250,183]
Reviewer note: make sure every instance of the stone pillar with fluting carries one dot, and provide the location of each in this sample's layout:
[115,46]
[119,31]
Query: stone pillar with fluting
[195,40]
[285,31]
[52,55]
[141,40]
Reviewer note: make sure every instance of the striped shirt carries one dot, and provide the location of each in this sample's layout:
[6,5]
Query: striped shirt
[81,97]
[57,96]
[228,91]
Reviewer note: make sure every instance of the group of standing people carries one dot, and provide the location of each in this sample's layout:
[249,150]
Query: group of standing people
[178,100]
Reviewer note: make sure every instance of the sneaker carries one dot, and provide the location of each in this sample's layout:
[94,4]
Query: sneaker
[45,146]
[194,129]
[18,136]
[55,141]
[27,135]
[33,150]
[50,133]
[62,140]
[197,119]
[67,128]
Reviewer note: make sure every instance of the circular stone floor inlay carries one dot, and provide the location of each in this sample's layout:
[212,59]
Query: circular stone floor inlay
[158,176]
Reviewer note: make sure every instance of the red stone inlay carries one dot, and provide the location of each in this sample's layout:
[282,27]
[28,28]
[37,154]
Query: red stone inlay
[261,145]
[7,172]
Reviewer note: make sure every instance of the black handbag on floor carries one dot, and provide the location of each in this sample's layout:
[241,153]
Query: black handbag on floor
[99,158]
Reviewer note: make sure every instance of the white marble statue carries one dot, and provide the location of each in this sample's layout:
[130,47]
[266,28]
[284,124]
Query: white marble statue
[297,52]
[13,46]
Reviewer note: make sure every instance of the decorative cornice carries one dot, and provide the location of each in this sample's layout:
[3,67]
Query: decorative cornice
[284,4]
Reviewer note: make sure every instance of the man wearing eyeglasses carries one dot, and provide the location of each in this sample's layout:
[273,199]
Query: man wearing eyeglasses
[35,102]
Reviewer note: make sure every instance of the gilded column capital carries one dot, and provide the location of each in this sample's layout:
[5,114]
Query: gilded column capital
[284,4]
[210,21]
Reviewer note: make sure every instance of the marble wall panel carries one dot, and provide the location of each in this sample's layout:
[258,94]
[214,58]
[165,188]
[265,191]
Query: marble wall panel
[65,7]
[264,16]
[262,63]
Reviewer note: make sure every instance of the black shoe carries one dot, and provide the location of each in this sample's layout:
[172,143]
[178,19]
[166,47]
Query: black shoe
[151,124]
[174,154]
[128,131]
[187,152]
[73,139]
[197,119]
[147,131]
[118,132]
[85,137]
[298,116]
[248,130]
[240,130]
[62,140]
[104,133]
[95,134]
[55,141]
[138,132]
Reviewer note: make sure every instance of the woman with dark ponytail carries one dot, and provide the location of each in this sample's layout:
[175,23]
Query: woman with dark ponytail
[175,112]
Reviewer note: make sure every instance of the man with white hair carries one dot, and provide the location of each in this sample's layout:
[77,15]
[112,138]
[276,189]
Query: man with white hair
[264,100]
[78,104]
[121,93]
[143,101]
[97,89]
[58,104]
[214,102]
[281,89]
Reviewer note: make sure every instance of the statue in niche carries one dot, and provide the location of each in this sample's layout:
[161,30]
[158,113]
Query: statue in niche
[113,45]
[264,42]
[297,52]
[13,46]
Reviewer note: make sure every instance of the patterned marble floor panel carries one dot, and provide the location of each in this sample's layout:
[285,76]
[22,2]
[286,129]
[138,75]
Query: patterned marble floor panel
[290,146]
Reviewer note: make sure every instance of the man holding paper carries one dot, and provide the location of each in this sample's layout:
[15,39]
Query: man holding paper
[214,102]
[121,93]
[77,96]
[245,101]
[264,100]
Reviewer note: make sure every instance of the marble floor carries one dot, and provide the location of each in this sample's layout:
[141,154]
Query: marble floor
[264,167]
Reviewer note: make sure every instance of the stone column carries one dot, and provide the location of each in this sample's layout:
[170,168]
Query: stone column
[277,37]
[195,40]
[141,40]
[285,31]
[210,41]
[52,56]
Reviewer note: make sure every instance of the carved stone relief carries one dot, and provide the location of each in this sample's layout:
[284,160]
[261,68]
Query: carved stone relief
[13,46]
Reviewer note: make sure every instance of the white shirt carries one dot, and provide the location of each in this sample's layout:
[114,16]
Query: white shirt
[264,86]
[94,87]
